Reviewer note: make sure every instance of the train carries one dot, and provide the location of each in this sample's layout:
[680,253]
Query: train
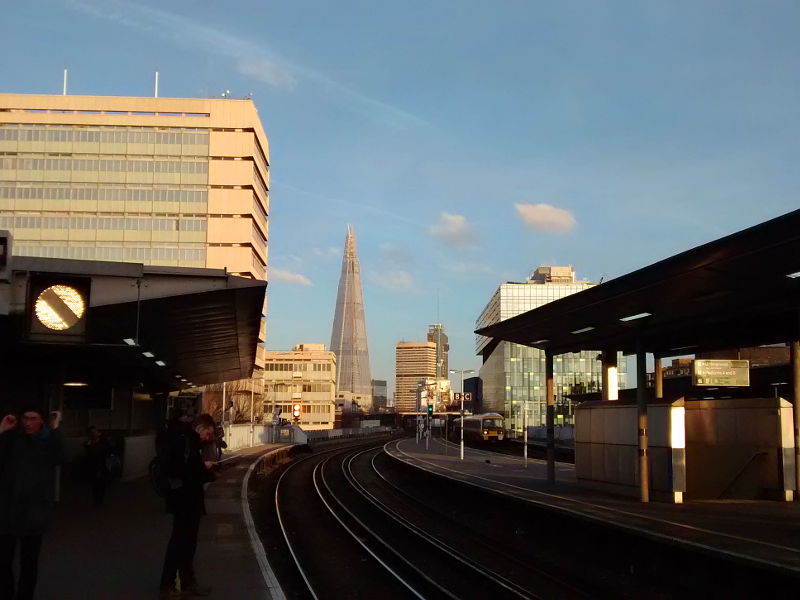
[487,427]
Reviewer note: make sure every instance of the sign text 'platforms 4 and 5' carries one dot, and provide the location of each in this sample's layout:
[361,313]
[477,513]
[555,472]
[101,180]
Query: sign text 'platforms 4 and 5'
[721,373]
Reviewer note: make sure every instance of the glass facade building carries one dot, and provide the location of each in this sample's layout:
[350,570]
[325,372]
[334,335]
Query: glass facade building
[513,376]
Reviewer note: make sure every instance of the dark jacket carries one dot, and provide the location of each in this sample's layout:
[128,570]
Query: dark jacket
[185,469]
[27,480]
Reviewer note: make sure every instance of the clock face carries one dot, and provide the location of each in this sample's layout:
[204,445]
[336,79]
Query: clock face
[59,307]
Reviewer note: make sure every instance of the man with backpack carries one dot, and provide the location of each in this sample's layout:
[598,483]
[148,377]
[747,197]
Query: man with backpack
[184,474]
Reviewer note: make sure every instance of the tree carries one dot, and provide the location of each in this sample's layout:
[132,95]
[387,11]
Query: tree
[240,396]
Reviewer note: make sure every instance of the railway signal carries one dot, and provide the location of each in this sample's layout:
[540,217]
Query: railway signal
[296,412]
[430,410]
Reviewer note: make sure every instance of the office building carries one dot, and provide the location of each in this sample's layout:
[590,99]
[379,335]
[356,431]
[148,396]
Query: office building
[414,363]
[379,394]
[306,374]
[437,335]
[173,182]
[349,333]
[513,376]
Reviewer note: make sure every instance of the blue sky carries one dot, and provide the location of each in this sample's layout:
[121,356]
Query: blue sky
[467,142]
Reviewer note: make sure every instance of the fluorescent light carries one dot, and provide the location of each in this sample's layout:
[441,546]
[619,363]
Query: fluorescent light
[129,341]
[584,330]
[794,275]
[75,384]
[685,347]
[184,379]
[542,341]
[178,376]
[148,354]
[161,363]
[640,315]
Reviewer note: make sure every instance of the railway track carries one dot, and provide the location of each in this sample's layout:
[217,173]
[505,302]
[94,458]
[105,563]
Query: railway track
[354,530]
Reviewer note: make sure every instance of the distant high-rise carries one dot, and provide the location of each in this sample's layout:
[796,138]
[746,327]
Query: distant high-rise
[415,362]
[437,335]
[349,335]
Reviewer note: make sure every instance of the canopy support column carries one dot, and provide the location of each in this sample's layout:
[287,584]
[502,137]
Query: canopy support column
[659,380]
[641,405]
[610,382]
[550,417]
[795,360]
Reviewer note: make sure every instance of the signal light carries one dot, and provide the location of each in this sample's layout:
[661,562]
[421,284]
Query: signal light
[296,411]
[430,410]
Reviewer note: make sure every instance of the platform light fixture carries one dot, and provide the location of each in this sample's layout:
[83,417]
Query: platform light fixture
[794,275]
[584,329]
[75,384]
[640,315]
[129,341]
[148,354]
[161,363]
[542,341]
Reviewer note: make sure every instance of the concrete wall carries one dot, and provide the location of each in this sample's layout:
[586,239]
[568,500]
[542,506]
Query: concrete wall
[740,449]
[607,451]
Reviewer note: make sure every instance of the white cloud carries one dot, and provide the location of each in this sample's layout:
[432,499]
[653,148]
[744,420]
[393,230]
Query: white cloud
[453,229]
[329,252]
[546,218]
[288,276]
[252,59]
[398,280]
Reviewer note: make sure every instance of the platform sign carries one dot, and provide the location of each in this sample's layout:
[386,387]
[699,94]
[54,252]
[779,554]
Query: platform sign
[726,373]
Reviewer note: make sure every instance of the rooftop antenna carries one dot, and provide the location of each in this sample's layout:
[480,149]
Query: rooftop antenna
[603,276]
[64,90]
[155,93]
[225,94]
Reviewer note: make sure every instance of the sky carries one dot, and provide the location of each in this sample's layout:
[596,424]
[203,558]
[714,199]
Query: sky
[467,142]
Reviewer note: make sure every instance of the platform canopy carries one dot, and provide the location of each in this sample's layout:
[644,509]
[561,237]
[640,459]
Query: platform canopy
[156,328]
[739,290]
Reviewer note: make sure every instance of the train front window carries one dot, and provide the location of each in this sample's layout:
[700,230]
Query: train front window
[493,422]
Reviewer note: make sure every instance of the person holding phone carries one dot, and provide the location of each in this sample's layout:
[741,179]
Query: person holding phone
[29,453]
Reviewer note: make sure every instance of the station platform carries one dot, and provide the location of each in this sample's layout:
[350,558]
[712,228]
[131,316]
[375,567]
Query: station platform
[761,533]
[116,551]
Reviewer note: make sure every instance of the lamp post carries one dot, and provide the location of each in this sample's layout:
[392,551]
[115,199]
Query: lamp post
[462,371]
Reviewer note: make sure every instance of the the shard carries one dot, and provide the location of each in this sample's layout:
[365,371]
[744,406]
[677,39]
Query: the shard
[349,335]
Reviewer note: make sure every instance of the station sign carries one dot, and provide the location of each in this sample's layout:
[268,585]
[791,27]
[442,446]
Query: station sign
[726,373]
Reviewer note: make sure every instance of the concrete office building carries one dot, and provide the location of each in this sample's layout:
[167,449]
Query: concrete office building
[305,374]
[512,375]
[173,182]
[414,363]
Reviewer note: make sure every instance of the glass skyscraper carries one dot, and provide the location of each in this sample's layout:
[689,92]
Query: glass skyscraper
[513,375]
[349,334]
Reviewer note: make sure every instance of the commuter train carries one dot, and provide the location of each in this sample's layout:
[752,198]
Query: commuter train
[480,428]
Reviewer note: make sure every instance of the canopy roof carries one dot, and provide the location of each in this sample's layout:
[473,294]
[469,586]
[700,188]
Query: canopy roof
[202,324]
[732,292]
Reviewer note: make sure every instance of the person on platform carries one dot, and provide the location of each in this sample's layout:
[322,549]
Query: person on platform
[187,472]
[29,453]
[97,452]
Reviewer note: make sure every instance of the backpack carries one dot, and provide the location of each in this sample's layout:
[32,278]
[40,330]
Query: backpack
[157,468]
[158,476]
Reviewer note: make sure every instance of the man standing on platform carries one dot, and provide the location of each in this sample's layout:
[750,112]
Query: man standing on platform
[187,472]
[28,457]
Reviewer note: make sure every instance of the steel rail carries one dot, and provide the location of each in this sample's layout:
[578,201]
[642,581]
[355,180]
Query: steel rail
[355,536]
[434,541]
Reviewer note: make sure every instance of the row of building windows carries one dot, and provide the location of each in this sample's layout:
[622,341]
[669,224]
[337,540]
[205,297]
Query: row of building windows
[115,253]
[120,135]
[104,193]
[312,408]
[113,166]
[101,223]
[297,366]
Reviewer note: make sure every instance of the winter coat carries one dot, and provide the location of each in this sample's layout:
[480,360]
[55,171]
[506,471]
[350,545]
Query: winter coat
[185,469]
[27,480]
